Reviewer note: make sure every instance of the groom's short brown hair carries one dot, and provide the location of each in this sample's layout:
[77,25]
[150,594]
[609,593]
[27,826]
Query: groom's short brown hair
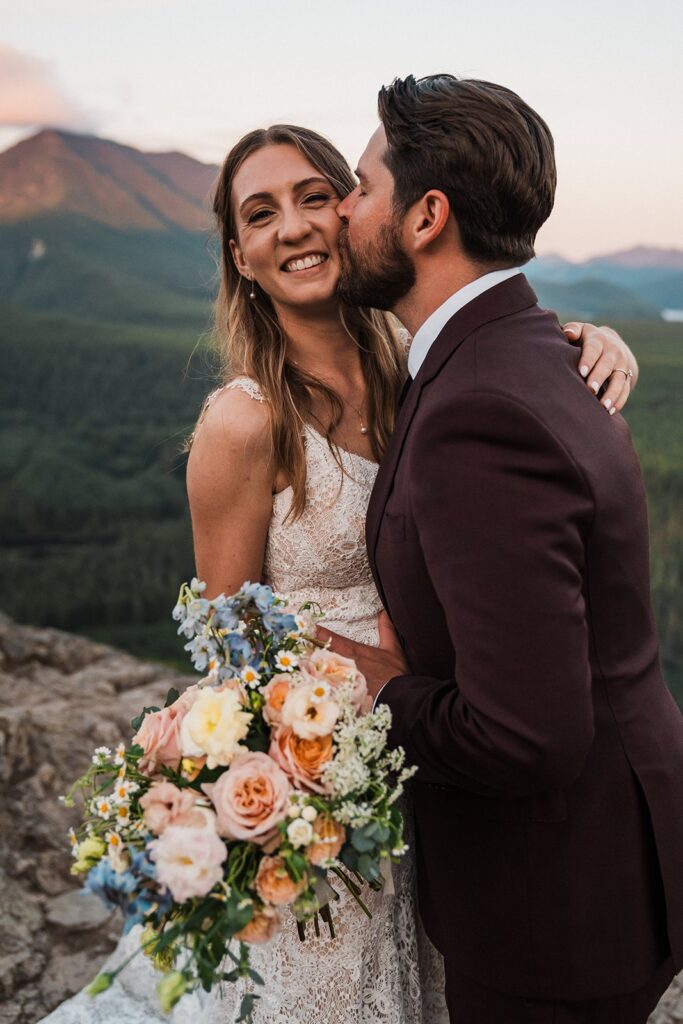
[484,147]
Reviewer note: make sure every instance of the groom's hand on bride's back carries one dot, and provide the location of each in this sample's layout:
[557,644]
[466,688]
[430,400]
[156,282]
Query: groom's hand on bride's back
[605,362]
[378,664]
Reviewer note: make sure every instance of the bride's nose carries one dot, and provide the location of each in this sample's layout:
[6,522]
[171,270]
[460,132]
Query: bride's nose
[294,224]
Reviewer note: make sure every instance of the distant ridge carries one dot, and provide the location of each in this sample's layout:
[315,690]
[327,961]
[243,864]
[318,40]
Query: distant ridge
[643,256]
[58,172]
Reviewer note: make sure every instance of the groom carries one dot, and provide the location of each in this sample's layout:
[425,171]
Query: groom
[508,537]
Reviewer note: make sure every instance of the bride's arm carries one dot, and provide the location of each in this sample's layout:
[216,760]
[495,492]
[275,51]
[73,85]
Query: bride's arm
[230,484]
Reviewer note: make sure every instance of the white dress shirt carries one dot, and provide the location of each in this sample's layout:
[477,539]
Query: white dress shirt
[426,335]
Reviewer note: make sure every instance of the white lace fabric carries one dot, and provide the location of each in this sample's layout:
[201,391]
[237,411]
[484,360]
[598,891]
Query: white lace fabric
[378,970]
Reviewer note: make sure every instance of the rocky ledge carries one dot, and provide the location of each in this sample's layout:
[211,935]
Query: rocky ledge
[61,696]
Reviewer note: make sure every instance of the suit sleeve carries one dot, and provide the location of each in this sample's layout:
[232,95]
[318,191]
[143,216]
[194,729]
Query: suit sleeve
[502,514]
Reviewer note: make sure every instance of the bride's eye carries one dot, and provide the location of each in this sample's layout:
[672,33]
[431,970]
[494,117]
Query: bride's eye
[317,197]
[258,215]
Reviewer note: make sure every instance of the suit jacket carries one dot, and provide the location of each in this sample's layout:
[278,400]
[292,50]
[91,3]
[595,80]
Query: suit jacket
[508,536]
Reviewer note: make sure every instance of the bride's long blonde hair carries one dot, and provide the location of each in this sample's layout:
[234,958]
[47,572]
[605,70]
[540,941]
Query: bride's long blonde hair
[252,343]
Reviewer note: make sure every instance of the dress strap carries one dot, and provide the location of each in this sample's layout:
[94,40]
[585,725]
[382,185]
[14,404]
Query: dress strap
[248,385]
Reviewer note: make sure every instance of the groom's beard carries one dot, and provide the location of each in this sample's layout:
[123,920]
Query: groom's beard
[376,275]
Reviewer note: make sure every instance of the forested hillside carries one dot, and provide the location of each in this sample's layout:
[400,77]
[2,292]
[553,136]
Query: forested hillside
[93,515]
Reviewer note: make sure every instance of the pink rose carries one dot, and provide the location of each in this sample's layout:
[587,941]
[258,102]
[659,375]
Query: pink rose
[337,671]
[188,861]
[165,804]
[159,734]
[250,798]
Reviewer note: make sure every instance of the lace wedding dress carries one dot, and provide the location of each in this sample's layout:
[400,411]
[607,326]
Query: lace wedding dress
[379,970]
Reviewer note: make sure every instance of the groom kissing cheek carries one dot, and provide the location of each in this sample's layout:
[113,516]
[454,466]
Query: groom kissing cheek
[507,533]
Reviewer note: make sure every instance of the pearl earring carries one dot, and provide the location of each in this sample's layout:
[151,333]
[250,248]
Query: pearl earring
[252,293]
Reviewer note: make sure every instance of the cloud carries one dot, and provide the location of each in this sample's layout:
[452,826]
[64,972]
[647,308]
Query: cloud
[30,94]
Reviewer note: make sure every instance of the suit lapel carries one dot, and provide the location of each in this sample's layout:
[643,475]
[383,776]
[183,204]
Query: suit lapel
[504,299]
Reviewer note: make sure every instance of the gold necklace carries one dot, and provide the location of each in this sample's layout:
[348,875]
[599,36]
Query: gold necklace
[363,428]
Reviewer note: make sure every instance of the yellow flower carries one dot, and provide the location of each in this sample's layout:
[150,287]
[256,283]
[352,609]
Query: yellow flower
[170,989]
[88,853]
[214,726]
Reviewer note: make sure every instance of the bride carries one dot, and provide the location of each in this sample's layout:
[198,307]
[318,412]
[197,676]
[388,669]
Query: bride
[281,467]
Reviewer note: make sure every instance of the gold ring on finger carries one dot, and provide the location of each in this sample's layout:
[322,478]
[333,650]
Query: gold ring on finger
[627,373]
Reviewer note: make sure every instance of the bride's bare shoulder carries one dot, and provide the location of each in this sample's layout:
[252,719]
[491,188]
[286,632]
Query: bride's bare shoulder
[233,425]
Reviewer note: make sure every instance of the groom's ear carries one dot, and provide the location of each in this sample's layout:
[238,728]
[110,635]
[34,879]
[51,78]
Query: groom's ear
[427,219]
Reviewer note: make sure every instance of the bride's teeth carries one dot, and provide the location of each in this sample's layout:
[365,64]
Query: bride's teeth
[306,263]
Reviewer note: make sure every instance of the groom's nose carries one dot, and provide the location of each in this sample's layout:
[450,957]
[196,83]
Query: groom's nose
[345,208]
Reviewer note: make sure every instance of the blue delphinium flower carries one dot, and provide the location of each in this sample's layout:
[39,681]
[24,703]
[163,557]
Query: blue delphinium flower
[241,651]
[279,623]
[202,649]
[114,888]
[225,616]
[261,594]
[134,891]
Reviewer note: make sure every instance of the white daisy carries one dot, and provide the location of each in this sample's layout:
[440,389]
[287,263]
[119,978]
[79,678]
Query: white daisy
[320,692]
[103,807]
[123,814]
[286,661]
[250,677]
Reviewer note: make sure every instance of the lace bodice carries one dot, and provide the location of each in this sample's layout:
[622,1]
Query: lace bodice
[321,556]
[379,970]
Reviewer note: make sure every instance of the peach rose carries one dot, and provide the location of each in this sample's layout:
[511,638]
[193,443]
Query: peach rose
[275,694]
[159,734]
[263,926]
[251,798]
[275,885]
[330,836]
[165,804]
[337,671]
[303,760]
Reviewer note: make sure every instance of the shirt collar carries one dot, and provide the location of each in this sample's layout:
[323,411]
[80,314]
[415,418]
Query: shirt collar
[427,334]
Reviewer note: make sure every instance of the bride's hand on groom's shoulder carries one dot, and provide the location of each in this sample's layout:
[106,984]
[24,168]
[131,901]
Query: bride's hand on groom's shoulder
[378,664]
[605,360]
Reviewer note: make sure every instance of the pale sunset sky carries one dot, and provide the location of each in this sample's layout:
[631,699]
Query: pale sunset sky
[194,75]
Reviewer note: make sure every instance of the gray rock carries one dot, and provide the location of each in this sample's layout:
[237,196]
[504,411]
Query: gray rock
[60,696]
[76,911]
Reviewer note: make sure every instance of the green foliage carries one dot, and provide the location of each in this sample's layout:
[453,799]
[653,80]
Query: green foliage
[93,513]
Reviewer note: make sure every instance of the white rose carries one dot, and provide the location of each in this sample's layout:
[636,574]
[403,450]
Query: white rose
[214,726]
[307,714]
[300,832]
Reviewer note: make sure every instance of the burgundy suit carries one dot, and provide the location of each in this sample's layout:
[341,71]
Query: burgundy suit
[508,537]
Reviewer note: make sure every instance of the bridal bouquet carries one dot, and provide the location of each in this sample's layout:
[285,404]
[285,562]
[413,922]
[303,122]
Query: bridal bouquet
[242,797]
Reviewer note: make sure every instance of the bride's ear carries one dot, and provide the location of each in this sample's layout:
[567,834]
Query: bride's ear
[428,218]
[239,261]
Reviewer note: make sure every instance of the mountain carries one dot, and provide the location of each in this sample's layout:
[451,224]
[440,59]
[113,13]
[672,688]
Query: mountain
[105,182]
[650,280]
[92,228]
[593,300]
[644,256]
